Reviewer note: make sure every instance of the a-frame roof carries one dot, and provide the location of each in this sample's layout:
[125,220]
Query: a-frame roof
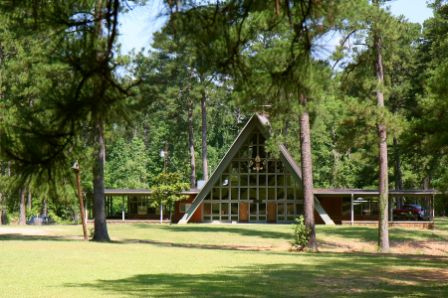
[261,123]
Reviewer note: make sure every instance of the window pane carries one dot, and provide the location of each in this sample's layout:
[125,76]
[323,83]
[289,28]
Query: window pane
[244,194]
[234,194]
[234,180]
[207,208]
[281,209]
[279,167]
[235,166]
[224,211]
[244,179]
[262,180]
[253,194]
[215,194]
[244,152]
[225,194]
[290,194]
[271,180]
[253,180]
[290,211]
[227,170]
[280,180]
[234,209]
[253,208]
[244,166]
[280,194]
[261,152]
[271,166]
[252,151]
[262,194]
[254,139]
[291,181]
[271,194]
[215,209]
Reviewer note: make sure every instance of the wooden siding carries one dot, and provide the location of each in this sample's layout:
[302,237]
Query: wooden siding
[197,216]
[333,207]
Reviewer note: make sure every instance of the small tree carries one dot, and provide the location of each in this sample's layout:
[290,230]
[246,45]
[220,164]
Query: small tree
[166,191]
[302,233]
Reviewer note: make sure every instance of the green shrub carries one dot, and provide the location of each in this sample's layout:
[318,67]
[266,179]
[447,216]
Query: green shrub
[12,217]
[301,233]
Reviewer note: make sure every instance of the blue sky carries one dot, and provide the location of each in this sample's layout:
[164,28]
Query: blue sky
[138,25]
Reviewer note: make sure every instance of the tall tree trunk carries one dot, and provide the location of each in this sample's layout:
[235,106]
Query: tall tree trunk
[307,173]
[3,219]
[383,225]
[22,215]
[99,207]
[2,222]
[204,136]
[397,171]
[191,145]
[397,165]
[28,201]
[44,211]
[3,215]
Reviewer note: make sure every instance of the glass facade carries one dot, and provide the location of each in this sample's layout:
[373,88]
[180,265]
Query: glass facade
[255,187]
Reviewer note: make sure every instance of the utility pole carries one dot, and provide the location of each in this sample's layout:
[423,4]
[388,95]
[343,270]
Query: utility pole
[164,155]
[77,170]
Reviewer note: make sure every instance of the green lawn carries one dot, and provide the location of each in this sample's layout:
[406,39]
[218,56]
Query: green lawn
[215,260]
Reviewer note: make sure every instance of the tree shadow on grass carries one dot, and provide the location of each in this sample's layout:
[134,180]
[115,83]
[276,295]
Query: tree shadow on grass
[235,229]
[24,237]
[327,275]
[348,232]
[198,245]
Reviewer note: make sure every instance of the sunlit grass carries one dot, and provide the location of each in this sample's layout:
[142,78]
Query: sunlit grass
[51,261]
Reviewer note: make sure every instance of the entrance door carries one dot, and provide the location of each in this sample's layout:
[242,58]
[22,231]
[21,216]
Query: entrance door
[244,212]
[272,212]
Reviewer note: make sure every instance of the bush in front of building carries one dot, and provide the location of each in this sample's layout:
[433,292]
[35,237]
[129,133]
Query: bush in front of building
[301,234]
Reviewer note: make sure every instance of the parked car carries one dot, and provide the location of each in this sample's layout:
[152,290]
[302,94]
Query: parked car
[410,212]
[40,220]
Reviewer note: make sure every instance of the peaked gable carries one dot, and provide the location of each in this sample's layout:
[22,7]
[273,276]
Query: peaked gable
[247,177]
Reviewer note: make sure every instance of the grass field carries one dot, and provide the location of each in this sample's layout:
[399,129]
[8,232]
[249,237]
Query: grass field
[220,260]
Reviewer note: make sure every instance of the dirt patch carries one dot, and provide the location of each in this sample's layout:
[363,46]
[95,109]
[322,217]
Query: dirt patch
[436,248]
[414,276]
[433,248]
[346,246]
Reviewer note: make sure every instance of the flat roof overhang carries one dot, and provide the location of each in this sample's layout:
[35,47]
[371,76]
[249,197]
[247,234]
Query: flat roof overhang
[373,192]
[141,192]
[317,191]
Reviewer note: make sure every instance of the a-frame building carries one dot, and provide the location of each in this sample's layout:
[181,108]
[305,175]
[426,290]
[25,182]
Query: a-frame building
[252,185]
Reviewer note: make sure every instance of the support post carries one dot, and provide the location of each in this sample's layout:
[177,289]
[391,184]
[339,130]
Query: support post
[352,211]
[432,207]
[161,213]
[122,209]
[391,208]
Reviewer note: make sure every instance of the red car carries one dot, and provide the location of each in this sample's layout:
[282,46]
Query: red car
[410,211]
